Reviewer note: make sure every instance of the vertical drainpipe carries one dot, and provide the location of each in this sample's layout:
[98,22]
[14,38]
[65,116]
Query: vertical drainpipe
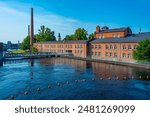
[31,30]
[120,52]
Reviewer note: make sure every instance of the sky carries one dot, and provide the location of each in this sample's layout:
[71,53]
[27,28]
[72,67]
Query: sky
[64,16]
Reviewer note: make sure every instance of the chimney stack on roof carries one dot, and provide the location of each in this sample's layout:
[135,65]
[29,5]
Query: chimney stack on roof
[98,29]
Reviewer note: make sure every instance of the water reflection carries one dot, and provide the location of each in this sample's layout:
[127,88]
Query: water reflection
[1,63]
[78,64]
[31,64]
[62,78]
[102,70]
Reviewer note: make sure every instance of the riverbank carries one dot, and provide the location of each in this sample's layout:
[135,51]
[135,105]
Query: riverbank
[131,64]
[110,62]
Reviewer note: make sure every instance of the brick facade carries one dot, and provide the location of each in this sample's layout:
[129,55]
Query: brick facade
[109,44]
[112,51]
[78,49]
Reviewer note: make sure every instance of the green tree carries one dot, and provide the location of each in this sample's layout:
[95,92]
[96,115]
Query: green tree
[142,51]
[80,34]
[69,37]
[45,34]
[34,49]
[26,43]
[91,36]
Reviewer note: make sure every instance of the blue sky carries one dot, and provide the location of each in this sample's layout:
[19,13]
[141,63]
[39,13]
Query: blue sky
[65,16]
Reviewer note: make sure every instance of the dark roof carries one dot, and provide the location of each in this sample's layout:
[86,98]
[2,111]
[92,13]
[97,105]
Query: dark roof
[77,41]
[129,39]
[50,42]
[71,41]
[114,30]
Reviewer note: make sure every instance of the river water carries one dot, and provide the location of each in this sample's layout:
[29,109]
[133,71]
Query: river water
[69,79]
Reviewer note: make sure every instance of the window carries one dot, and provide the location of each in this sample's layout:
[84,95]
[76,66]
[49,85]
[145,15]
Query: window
[111,47]
[115,55]
[99,46]
[114,35]
[129,56]
[115,47]
[124,47]
[106,54]
[110,53]
[129,47]
[103,36]
[95,46]
[124,55]
[80,51]
[107,47]
[118,36]
[95,53]
[99,53]
[78,46]
[92,46]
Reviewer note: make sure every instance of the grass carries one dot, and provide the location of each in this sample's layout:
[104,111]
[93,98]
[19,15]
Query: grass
[18,51]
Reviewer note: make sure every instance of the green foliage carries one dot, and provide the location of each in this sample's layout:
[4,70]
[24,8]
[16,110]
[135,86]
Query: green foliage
[45,34]
[18,51]
[69,37]
[91,36]
[142,51]
[26,43]
[80,34]
[34,49]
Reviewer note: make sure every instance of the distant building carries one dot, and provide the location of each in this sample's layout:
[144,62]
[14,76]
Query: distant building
[108,44]
[12,46]
[1,50]
[1,47]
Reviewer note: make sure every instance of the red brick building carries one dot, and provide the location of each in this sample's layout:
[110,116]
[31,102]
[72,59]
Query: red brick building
[109,44]
[77,48]
[115,44]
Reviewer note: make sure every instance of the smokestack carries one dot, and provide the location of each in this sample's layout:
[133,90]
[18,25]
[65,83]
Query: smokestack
[31,30]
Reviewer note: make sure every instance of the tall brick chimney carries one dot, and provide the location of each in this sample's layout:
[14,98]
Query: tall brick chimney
[31,30]
[98,29]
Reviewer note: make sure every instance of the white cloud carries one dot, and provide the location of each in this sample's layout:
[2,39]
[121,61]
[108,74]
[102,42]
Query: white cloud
[14,23]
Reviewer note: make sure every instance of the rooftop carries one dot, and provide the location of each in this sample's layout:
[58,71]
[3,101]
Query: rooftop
[114,30]
[71,41]
[129,39]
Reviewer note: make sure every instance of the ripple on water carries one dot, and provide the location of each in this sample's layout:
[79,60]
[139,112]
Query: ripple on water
[142,87]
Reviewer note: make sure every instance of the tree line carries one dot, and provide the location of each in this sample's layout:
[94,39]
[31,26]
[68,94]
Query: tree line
[46,34]
[142,52]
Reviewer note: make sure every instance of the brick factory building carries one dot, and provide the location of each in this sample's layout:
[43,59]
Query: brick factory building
[109,44]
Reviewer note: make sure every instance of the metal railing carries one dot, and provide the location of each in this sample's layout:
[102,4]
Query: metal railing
[34,54]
